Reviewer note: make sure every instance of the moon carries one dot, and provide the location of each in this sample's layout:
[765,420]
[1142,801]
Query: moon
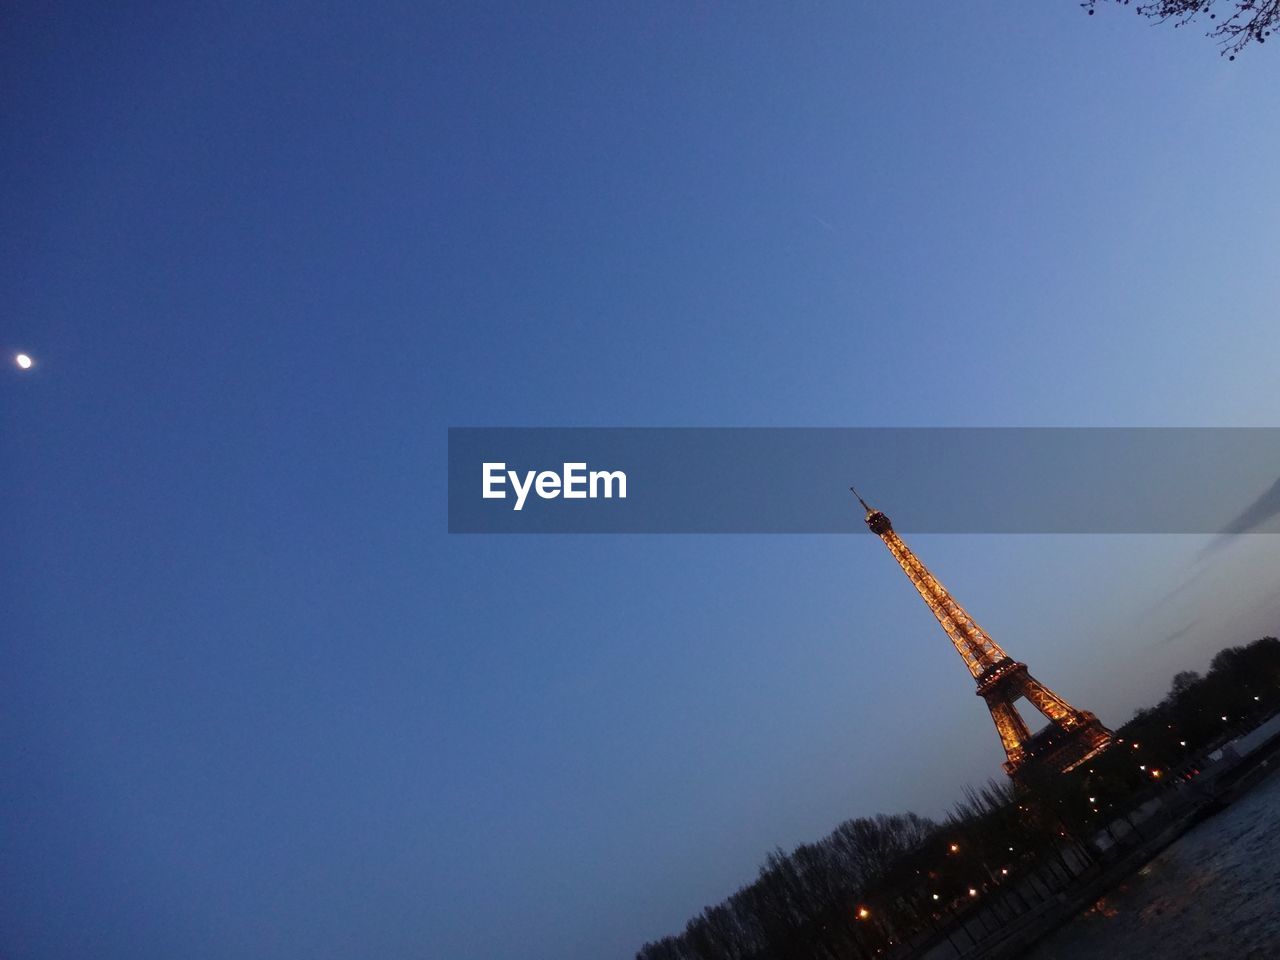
[25,362]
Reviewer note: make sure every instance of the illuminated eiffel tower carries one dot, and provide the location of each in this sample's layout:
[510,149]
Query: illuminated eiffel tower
[1071,737]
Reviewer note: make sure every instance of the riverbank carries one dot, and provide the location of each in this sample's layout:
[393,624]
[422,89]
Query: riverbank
[1004,935]
[1214,894]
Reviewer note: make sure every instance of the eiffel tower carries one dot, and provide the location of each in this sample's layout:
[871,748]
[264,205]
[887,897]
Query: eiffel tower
[1071,737]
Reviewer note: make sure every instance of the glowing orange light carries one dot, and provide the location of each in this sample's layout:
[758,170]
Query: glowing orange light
[954,848]
[863,913]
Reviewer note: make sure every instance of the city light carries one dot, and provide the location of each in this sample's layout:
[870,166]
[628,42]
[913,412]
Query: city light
[954,848]
[935,896]
[863,913]
[973,892]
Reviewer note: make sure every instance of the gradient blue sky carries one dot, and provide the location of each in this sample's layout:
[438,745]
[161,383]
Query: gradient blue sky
[258,703]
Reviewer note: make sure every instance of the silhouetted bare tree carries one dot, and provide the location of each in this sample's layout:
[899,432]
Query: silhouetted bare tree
[1235,23]
[1183,681]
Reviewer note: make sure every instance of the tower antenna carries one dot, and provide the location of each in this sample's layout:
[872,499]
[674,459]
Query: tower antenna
[861,501]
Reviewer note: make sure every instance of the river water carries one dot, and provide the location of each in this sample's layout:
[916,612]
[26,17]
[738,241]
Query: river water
[1215,893]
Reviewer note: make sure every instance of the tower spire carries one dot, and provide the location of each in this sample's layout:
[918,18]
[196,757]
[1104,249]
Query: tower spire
[1072,737]
[860,500]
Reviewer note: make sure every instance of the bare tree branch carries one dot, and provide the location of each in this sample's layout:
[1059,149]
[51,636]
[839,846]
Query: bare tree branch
[1241,23]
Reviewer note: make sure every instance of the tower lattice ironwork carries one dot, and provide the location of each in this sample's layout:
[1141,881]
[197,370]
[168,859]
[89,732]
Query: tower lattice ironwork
[1071,737]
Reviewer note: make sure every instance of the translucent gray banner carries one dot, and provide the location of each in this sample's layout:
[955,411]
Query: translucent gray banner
[928,480]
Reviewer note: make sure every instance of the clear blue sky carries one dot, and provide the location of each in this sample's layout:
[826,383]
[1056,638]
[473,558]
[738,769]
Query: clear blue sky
[256,701]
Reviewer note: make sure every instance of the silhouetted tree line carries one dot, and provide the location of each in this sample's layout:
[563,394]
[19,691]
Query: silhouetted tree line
[1234,23]
[879,882]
